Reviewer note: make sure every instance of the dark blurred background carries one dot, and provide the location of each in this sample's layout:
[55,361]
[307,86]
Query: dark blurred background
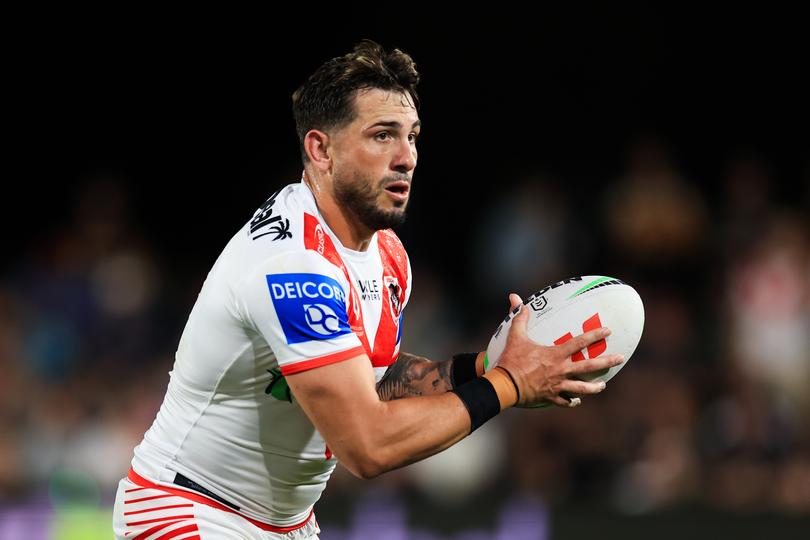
[665,146]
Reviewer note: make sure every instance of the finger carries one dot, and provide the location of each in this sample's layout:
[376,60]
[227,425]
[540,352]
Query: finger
[514,301]
[572,386]
[565,403]
[595,364]
[583,340]
[521,320]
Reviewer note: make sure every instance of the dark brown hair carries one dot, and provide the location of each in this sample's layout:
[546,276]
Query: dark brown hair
[326,99]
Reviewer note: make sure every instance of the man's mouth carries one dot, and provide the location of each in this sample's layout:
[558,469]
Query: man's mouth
[398,190]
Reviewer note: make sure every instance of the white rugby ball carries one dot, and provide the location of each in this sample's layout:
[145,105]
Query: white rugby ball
[572,307]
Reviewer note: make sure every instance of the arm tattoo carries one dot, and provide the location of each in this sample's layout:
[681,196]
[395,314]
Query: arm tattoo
[413,375]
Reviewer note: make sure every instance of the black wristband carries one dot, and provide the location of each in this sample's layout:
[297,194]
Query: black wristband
[463,369]
[481,400]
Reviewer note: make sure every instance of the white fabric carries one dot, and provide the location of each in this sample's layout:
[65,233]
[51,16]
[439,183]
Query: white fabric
[219,424]
[165,514]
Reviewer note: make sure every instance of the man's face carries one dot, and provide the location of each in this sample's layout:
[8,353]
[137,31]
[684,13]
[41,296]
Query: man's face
[374,158]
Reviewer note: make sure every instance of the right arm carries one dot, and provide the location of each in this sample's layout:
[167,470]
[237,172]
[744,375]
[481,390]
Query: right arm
[413,375]
[371,436]
[334,383]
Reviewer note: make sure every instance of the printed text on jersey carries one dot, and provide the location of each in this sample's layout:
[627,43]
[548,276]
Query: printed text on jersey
[309,306]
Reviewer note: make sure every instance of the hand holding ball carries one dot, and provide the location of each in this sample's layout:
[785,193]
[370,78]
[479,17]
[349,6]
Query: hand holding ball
[568,363]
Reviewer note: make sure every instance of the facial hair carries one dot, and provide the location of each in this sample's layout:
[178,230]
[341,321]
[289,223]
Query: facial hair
[359,195]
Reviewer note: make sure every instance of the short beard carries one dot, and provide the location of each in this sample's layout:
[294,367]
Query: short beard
[360,198]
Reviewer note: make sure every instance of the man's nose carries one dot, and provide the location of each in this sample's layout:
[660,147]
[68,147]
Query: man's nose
[405,158]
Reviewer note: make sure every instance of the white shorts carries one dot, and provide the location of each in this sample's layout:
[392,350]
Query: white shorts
[158,513]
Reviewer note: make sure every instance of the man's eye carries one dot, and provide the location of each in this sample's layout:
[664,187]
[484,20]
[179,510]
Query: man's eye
[412,137]
[382,135]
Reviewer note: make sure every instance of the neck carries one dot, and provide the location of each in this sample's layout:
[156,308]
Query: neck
[350,232]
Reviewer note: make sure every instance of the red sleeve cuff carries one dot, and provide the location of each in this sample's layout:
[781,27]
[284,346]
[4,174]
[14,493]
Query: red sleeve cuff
[305,365]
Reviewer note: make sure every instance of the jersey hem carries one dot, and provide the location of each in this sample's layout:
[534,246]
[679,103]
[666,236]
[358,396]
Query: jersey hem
[140,481]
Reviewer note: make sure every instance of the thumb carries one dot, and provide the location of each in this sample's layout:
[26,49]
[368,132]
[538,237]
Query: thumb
[514,301]
[521,320]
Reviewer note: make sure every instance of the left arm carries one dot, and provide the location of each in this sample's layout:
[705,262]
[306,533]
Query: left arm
[413,375]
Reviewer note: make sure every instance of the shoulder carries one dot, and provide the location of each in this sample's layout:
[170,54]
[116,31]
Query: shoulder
[284,227]
[278,218]
[281,237]
[301,262]
[286,283]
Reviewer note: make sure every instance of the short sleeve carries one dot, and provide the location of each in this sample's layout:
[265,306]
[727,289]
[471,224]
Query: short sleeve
[297,301]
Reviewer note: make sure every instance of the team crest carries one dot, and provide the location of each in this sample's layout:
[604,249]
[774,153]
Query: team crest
[392,284]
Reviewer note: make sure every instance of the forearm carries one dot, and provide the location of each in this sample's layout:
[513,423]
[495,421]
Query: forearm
[412,376]
[370,435]
[409,430]
[418,428]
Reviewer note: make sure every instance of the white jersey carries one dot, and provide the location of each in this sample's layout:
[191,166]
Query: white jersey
[283,297]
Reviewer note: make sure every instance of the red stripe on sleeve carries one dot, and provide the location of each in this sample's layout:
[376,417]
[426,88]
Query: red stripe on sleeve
[298,367]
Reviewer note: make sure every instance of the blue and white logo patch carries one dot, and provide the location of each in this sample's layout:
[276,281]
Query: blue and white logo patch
[309,306]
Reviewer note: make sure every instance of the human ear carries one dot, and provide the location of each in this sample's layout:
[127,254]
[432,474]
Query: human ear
[316,144]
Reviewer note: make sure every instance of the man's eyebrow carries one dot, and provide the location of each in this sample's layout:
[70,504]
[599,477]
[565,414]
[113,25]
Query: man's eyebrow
[394,124]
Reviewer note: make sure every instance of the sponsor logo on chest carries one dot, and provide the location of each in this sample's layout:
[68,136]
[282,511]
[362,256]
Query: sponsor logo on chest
[369,289]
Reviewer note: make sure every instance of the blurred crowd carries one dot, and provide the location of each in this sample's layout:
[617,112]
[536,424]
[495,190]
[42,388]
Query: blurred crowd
[713,409]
